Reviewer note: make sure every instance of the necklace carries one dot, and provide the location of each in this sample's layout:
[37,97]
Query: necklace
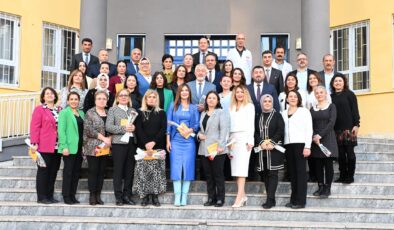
[147,114]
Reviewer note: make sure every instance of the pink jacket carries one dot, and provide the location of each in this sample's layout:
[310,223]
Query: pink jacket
[43,130]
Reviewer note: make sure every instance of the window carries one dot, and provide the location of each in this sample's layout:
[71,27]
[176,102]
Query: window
[350,46]
[59,45]
[271,41]
[9,47]
[179,45]
[126,43]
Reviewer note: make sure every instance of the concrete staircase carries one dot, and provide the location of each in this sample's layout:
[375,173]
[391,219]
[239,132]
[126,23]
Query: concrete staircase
[366,204]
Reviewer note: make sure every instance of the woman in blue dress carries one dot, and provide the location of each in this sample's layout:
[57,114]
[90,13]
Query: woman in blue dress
[181,144]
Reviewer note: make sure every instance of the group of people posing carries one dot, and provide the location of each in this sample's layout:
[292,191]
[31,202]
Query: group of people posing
[252,117]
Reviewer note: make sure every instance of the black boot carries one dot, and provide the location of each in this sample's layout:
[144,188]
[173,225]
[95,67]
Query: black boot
[319,191]
[155,200]
[92,198]
[98,198]
[67,200]
[74,199]
[269,204]
[326,191]
[145,201]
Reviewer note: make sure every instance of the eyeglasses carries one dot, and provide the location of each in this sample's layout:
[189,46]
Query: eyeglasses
[144,63]
[123,95]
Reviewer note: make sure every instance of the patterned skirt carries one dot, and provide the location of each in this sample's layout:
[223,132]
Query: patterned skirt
[150,177]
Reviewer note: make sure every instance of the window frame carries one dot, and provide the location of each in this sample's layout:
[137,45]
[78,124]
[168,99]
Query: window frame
[118,36]
[57,68]
[353,69]
[287,51]
[16,49]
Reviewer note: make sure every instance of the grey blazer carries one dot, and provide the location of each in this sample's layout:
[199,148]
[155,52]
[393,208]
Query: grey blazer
[114,117]
[217,130]
[193,87]
[93,125]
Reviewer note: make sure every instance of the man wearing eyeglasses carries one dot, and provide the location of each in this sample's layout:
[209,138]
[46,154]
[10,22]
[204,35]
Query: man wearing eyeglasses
[302,71]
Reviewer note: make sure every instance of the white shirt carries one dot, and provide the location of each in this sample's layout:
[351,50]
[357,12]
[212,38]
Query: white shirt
[302,79]
[282,99]
[84,57]
[148,79]
[244,62]
[265,72]
[298,127]
[327,80]
[285,68]
[243,121]
[255,89]
[202,57]
[198,87]
[213,73]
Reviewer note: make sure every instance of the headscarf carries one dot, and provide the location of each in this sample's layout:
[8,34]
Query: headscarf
[262,102]
[98,87]
[147,73]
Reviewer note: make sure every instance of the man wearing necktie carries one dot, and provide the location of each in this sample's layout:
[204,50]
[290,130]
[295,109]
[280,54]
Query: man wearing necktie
[214,76]
[257,88]
[84,56]
[135,56]
[272,76]
[199,57]
[200,87]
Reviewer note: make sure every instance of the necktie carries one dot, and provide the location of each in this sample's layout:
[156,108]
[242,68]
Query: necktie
[267,73]
[136,68]
[210,76]
[258,92]
[199,90]
[86,58]
[203,58]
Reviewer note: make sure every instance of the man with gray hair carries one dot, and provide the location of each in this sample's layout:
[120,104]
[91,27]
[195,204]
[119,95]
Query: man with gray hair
[95,69]
[241,57]
[132,67]
[200,87]
[328,72]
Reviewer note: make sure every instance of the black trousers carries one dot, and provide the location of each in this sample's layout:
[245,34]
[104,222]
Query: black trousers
[46,177]
[123,158]
[252,175]
[214,174]
[312,168]
[346,161]
[270,179]
[71,171]
[96,171]
[324,170]
[296,165]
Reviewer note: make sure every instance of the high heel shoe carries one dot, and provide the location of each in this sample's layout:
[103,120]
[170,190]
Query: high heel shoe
[241,203]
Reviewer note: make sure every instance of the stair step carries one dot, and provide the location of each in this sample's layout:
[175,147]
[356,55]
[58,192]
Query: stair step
[335,200]
[252,187]
[249,213]
[74,222]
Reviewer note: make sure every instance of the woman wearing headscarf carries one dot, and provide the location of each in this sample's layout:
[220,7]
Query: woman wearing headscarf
[144,76]
[270,160]
[102,85]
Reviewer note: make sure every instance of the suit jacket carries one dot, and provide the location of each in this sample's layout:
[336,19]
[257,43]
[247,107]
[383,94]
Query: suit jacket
[217,130]
[92,126]
[308,72]
[267,89]
[323,78]
[77,58]
[43,129]
[216,81]
[207,87]
[68,130]
[94,70]
[113,124]
[276,79]
[130,69]
[196,59]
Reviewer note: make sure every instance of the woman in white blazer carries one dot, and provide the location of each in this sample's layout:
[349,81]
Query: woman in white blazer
[242,133]
[298,139]
[214,129]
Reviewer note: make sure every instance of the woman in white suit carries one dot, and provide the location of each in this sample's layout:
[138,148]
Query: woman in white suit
[214,128]
[242,114]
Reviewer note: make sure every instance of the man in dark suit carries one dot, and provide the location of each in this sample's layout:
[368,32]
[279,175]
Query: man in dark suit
[302,72]
[328,72]
[95,69]
[84,56]
[256,89]
[199,57]
[132,67]
[200,87]
[213,76]
[272,76]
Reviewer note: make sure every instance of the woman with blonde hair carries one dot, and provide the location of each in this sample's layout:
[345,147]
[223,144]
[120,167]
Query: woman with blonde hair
[122,153]
[242,114]
[76,83]
[151,126]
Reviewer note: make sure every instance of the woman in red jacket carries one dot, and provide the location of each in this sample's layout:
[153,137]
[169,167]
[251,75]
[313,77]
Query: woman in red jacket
[43,136]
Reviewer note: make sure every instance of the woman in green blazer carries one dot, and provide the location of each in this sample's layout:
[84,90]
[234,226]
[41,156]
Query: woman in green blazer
[70,131]
[159,83]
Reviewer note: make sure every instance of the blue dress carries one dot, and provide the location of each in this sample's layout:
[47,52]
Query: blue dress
[183,151]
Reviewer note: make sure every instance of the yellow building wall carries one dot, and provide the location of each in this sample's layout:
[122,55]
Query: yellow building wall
[376,107]
[32,14]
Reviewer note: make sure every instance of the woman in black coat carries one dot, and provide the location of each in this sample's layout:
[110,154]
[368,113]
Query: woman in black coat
[346,126]
[270,160]
[324,115]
